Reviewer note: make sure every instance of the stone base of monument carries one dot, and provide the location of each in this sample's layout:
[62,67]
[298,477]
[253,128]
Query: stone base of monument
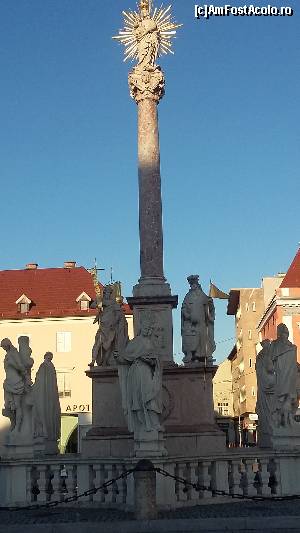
[23,449]
[286,438]
[150,444]
[188,415]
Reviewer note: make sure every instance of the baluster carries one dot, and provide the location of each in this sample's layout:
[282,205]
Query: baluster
[265,477]
[42,484]
[194,469]
[129,481]
[56,482]
[236,477]
[83,480]
[221,476]
[69,481]
[177,484]
[98,496]
[250,489]
[108,476]
[182,473]
[118,485]
[29,484]
[205,479]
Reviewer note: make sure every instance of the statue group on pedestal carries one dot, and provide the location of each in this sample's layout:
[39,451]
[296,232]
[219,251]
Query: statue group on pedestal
[112,331]
[138,363]
[32,408]
[197,324]
[277,386]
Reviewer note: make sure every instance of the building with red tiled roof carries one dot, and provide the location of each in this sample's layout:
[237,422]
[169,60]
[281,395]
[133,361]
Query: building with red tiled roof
[284,306]
[56,309]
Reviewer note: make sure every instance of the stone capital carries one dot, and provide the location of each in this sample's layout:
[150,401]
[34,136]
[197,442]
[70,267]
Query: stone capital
[146,84]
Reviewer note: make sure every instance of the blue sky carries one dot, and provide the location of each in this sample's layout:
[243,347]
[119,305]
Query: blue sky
[229,131]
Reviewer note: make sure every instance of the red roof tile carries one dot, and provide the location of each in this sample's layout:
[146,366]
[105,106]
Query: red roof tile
[53,292]
[292,277]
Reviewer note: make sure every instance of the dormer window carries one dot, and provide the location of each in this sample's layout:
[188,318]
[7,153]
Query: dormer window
[84,301]
[23,304]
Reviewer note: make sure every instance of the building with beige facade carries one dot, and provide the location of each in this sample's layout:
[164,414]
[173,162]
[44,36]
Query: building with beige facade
[222,390]
[54,308]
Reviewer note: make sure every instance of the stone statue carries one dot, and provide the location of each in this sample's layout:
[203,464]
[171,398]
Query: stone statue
[14,386]
[146,36]
[197,324]
[47,412]
[25,355]
[265,377]
[112,334]
[140,378]
[284,357]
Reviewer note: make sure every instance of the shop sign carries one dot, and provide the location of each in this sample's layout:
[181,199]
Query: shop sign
[253,416]
[82,408]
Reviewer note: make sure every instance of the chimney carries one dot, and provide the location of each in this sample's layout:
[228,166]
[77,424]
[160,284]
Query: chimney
[69,264]
[31,266]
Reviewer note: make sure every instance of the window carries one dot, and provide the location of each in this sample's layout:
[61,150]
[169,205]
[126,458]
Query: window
[253,391]
[241,366]
[243,394]
[250,363]
[247,306]
[84,305]
[253,306]
[63,341]
[249,334]
[23,304]
[63,384]
[84,301]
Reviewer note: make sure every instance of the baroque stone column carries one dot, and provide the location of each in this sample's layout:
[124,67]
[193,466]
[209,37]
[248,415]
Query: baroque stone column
[150,208]
[146,35]
[152,293]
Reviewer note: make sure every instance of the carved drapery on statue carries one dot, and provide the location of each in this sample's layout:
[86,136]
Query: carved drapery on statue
[46,402]
[277,375]
[265,378]
[146,36]
[197,324]
[140,377]
[284,357]
[112,334]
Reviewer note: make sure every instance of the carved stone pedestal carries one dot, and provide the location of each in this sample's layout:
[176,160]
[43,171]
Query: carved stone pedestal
[161,307]
[286,438]
[188,416]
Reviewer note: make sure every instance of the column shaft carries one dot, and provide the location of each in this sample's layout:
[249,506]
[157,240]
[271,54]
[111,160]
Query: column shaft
[150,206]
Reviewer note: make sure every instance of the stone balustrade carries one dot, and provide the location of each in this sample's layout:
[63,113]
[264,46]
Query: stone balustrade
[244,472]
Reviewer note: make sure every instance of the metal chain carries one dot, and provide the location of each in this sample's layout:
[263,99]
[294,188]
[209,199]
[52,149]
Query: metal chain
[104,487]
[74,498]
[215,492]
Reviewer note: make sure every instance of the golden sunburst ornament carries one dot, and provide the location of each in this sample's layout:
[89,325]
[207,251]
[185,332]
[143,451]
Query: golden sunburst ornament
[147,33]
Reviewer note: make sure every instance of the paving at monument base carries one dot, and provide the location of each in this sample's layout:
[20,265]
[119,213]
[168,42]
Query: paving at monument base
[227,516]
